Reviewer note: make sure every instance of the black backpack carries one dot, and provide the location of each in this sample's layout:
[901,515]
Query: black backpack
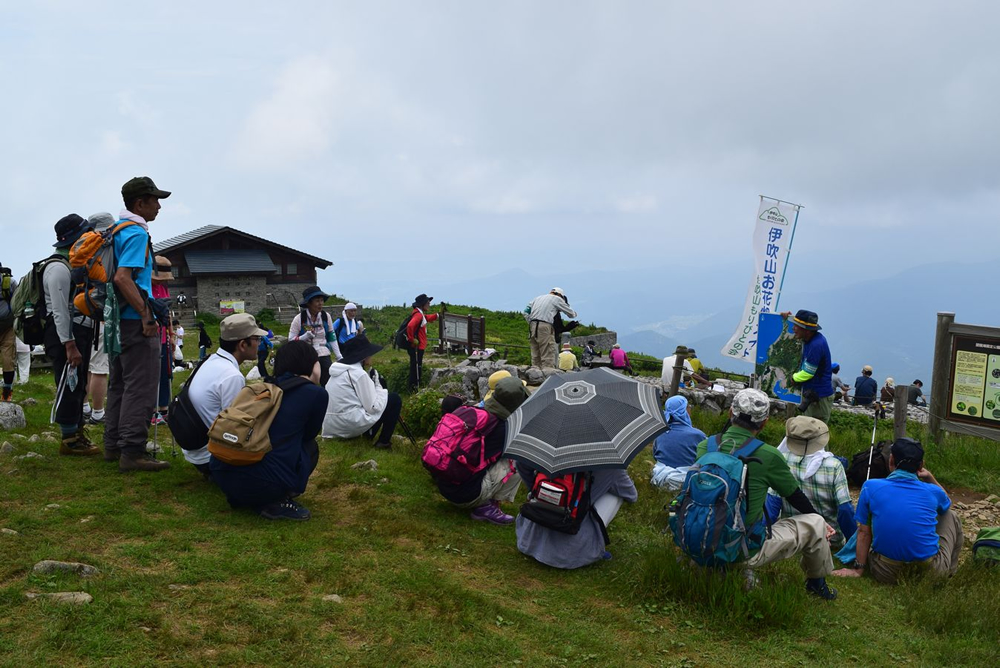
[399,340]
[857,472]
[185,424]
[562,502]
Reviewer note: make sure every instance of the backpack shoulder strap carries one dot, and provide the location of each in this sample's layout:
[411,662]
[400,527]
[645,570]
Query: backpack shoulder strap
[748,448]
[714,443]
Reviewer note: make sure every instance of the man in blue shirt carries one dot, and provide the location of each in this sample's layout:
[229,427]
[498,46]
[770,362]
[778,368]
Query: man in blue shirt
[905,521]
[134,373]
[865,387]
[814,377]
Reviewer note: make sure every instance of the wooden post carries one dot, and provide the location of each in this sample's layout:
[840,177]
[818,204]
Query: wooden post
[791,410]
[482,331]
[441,343]
[941,371]
[675,382]
[899,411]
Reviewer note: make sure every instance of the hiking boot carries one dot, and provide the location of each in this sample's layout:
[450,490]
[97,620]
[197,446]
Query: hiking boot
[490,512]
[286,510]
[818,587]
[383,446]
[83,437]
[143,462]
[8,394]
[74,445]
[112,454]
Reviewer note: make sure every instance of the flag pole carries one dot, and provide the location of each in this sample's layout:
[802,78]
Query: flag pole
[788,255]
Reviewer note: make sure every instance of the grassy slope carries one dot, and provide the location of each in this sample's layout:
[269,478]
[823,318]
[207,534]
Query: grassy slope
[185,580]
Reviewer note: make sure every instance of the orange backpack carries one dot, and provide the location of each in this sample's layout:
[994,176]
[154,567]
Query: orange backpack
[92,263]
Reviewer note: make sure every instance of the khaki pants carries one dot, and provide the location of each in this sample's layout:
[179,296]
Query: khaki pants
[820,409]
[803,535]
[944,563]
[8,351]
[543,344]
[495,488]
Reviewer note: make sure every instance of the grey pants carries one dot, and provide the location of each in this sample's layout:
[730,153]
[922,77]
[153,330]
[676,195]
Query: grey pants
[133,381]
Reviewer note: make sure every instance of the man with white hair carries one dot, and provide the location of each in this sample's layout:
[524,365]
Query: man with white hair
[345,328]
[806,535]
[540,314]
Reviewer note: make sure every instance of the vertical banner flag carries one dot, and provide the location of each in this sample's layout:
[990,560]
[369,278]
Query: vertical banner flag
[772,241]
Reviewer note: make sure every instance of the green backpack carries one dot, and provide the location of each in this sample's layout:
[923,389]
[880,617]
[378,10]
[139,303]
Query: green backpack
[28,303]
[986,549]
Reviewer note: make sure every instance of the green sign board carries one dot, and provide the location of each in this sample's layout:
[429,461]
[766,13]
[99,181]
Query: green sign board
[974,395]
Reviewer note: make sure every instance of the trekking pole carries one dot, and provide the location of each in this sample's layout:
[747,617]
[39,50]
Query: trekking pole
[871,452]
[406,430]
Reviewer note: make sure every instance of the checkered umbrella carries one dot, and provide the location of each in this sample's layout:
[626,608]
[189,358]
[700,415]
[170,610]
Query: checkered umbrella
[595,419]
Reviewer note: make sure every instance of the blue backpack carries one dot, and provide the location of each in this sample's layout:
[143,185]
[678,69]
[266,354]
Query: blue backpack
[709,518]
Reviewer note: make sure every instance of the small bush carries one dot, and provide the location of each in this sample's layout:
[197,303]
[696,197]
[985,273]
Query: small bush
[209,318]
[266,316]
[422,412]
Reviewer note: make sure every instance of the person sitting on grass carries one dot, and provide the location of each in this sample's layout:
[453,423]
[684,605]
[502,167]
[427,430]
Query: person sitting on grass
[359,401]
[675,448]
[806,534]
[498,482]
[820,476]
[271,485]
[905,522]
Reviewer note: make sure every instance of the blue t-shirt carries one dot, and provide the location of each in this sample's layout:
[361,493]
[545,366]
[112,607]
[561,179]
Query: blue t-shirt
[132,251]
[676,448]
[865,389]
[816,360]
[903,513]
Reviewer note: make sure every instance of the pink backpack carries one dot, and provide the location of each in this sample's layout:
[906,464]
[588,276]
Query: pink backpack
[457,450]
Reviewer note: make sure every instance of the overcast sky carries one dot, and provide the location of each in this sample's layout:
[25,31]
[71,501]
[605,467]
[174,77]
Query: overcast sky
[563,134]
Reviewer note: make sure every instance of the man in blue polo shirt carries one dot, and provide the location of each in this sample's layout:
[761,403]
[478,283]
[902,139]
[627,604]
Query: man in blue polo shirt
[905,521]
[815,375]
[134,373]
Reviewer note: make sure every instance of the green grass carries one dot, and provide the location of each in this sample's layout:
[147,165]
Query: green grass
[185,580]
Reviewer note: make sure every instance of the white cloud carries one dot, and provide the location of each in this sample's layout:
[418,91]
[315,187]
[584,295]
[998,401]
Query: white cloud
[638,204]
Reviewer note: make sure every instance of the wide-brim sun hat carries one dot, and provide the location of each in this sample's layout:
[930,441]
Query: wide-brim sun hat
[805,435]
[69,229]
[162,269]
[356,349]
[807,320]
[312,292]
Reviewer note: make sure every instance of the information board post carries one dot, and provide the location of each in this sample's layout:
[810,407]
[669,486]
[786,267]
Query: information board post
[899,411]
[941,372]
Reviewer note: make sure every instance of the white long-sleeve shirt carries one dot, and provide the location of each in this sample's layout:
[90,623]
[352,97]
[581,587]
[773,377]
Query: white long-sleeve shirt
[356,401]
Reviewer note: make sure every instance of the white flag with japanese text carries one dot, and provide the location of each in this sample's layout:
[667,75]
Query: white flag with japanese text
[772,239]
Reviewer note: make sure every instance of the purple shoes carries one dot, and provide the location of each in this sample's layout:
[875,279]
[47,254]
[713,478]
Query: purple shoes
[490,512]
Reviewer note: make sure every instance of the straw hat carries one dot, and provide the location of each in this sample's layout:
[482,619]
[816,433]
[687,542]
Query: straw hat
[161,269]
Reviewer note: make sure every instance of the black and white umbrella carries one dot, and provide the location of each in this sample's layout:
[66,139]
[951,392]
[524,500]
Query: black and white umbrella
[596,419]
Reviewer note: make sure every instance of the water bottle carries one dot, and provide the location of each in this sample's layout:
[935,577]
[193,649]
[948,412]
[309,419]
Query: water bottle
[29,310]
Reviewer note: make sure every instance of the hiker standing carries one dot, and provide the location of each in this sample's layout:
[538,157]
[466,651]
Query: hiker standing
[8,343]
[97,385]
[314,326]
[204,341]
[815,375]
[416,337]
[134,372]
[541,313]
[345,328]
[69,340]
[161,274]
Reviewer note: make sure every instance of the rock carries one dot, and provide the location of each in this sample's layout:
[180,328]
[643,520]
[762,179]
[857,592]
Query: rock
[48,434]
[52,506]
[6,448]
[176,587]
[145,629]
[483,386]
[35,438]
[548,373]
[710,406]
[9,532]
[28,455]
[68,597]
[534,376]
[89,518]
[49,566]
[30,401]
[333,598]
[11,416]
[370,465]
[992,498]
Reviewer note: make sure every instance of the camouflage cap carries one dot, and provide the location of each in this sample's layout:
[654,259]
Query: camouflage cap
[752,403]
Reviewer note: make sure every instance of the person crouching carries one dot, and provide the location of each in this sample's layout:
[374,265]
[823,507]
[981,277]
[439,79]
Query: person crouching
[359,402]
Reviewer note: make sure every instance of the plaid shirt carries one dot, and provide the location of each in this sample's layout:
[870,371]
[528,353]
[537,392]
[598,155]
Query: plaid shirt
[827,489]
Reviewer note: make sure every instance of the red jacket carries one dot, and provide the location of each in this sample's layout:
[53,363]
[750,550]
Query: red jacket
[415,331]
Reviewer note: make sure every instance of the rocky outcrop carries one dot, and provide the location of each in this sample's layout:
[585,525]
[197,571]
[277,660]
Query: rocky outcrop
[11,416]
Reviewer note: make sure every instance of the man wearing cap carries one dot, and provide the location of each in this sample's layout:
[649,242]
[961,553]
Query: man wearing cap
[314,326]
[865,387]
[696,364]
[219,379]
[807,534]
[820,476]
[541,313]
[345,328]
[134,372]
[814,377]
[667,372]
[905,521]
[567,360]
[69,339]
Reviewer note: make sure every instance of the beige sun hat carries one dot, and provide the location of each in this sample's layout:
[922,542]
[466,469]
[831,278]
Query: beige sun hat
[805,435]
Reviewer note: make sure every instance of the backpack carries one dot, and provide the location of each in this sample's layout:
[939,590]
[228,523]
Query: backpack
[6,313]
[92,261]
[28,303]
[185,424]
[457,449]
[857,472]
[400,341]
[561,503]
[986,549]
[709,518]
[239,436]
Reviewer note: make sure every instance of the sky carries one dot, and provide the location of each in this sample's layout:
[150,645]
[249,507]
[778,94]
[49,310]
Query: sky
[435,139]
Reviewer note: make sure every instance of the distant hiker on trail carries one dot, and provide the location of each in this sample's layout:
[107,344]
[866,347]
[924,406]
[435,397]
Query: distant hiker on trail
[905,522]
[915,395]
[674,450]
[134,373]
[314,326]
[815,375]
[840,388]
[416,337]
[161,274]
[540,314]
[204,341]
[345,328]
[359,402]
[806,535]
[567,359]
[8,344]
[888,392]
[69,340]
[620,361]
[865,387]
[590,352]
[271,486]
[820,476]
